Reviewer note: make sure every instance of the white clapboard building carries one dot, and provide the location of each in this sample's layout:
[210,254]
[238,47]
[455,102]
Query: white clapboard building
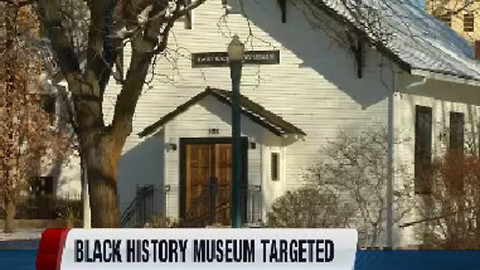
[420,81]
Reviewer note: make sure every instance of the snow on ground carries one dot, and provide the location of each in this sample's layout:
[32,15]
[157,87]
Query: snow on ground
[26,239]
[21,234]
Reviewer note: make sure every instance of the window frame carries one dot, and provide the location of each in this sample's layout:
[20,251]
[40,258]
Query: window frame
[275,166]
[423,149]
[455,143]
[446,18]
[48,103]
[469,26]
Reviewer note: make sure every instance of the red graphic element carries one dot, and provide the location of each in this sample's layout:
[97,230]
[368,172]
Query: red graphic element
[49,255]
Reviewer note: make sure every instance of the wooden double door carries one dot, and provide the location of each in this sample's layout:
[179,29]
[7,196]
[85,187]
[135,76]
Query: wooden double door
[206,183]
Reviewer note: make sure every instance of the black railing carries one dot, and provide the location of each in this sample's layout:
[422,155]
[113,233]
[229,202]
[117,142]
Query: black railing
[254,205]
[144,206]
[47,207]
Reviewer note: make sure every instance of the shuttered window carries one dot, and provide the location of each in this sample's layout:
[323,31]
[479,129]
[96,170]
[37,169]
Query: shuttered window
[446,18]
[423,149]
[468,22]
[457,132]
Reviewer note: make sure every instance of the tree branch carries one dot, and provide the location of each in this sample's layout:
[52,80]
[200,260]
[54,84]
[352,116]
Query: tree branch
[18,4]
[67,60]
[98,34]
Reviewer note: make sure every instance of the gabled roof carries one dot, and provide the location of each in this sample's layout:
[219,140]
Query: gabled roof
[250,109]
[417,41]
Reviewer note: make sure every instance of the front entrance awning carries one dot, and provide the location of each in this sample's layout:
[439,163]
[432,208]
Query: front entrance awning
[253,111]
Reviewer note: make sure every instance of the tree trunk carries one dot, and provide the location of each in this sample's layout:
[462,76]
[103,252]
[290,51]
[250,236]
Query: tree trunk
[9,215]
[8,147]
[102,180]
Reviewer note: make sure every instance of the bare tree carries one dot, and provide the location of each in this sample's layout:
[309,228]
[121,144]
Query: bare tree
[109,26]
[355,166]
[28,141]
[451,210]
[310,206]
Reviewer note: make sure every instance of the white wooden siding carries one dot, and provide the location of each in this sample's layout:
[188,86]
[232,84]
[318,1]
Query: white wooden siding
[315,87]
[435,95]
[195,123]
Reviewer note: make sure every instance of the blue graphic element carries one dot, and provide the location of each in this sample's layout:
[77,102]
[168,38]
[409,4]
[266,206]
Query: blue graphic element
[18,259]
[365,260]
[417,260]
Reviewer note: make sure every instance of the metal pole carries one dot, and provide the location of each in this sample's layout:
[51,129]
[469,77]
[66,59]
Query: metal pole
[86,200]
[235,75]
[390,172]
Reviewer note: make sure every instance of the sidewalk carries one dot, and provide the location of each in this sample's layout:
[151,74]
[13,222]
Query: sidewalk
[21,234]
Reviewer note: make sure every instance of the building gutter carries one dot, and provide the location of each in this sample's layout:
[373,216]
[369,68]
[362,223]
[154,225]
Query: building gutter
[390,170]
[441,76]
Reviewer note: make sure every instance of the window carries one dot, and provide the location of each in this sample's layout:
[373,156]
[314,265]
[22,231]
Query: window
[468,22]
[423,148]
[42,185]
[275,166]
[49,106]
[446,18]
[456,131]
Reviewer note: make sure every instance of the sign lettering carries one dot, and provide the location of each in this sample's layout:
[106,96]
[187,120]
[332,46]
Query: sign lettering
[220,59]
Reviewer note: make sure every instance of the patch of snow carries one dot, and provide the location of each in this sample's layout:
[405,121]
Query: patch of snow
[22,234]
[412,35]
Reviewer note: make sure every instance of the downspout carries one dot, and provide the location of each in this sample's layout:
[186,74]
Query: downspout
[390,173]
[419,83]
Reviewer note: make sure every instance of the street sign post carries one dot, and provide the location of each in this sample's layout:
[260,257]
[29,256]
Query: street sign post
[235,58]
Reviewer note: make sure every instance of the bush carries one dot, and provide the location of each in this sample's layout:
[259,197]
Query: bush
[160,221]
[65,208]
[308,207]
[347,189]
[452,208]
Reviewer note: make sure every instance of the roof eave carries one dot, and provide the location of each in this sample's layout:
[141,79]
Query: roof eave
[443,76]
[390,54]
[211,91]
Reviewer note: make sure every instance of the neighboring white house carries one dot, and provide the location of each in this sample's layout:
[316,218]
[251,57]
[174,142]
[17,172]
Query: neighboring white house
[419,80]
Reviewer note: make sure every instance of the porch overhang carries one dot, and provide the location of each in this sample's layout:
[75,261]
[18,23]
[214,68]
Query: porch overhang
[443,76]
[441,86]
[250,109]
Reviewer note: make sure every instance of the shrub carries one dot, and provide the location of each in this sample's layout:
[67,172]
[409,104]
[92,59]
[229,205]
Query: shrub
[160,221]
[452,208]
[308,207]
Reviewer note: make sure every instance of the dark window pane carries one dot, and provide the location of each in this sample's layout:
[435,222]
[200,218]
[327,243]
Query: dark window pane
[423,148]
[456,132]
[468,22]
[48,105]
[43,185]
[275,166]
[446,18]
